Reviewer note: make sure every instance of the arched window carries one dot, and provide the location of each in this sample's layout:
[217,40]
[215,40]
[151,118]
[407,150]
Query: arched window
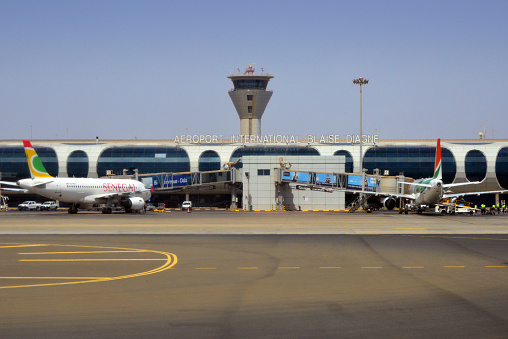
[349,160]
[502,167]
[77,164]
[475,166]
[14,166]
[414,161]
[209,161]
[271,150]
[145,159]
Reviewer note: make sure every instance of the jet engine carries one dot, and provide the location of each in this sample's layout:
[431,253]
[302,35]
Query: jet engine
[389,203]
[134,203]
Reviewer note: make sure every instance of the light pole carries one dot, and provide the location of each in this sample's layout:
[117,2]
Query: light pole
[361,81]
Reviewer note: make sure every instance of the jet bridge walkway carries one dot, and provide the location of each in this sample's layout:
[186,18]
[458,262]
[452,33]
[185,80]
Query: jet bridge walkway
[165,182]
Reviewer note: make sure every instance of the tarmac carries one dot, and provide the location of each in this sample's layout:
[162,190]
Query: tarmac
[231,222]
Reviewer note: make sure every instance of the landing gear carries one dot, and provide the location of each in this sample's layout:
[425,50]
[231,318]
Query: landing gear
[107,210]
[73,209]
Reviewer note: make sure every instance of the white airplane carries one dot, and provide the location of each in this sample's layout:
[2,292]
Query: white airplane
[429,192]
[83,193]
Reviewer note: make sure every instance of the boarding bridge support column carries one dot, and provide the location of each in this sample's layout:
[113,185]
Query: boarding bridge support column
[187,197]
[233,197]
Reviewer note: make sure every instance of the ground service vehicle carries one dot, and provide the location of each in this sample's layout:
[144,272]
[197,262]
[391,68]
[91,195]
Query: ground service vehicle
[29,206]
[186,205]
[49,206]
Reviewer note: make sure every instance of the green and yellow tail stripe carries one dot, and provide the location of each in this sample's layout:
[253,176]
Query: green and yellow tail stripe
[35,165]
[438,164]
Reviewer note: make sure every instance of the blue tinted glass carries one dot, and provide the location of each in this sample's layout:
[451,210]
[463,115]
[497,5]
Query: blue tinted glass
[271,150]
[77,164]
[349,160]
[414,161]
[476,165]
[502,167]
[13,163]
[145,159]
[209,161]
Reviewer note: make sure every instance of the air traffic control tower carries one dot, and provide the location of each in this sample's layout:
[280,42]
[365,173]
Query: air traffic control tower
[250,98]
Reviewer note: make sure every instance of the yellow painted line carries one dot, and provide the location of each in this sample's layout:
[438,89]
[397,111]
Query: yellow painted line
[412,267]
[22,246]
[206,268]
[84,252]
[289,268]
[171,261]
[410,228]
[54,278]
[368,267]
[247,268]
[90,259]
[454,266]
[331,267]
[495,266]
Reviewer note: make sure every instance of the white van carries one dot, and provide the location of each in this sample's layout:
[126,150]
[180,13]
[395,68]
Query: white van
[186,205]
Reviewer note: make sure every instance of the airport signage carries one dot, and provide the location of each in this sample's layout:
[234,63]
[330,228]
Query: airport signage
[354,182]
[170,181]
[275,139]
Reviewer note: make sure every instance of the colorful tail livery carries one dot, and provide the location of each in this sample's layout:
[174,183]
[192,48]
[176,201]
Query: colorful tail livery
[37,169]
[437,164]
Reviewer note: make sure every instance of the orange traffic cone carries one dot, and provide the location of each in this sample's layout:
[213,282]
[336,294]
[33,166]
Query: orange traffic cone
[188,210]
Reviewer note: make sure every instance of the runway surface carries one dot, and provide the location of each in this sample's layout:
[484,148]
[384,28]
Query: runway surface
[253,285]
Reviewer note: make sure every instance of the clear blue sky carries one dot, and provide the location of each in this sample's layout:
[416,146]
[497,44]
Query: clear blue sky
[156,69]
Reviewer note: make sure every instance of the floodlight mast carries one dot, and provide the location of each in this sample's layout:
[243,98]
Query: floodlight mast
[361,81]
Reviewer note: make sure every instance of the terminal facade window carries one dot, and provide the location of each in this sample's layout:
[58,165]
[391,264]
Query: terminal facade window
[349,160]
[414,161]
[271,150]
[475,165]
[250,97]
[209,161]
[263,172]
[145,159]
[13,163]
[502,167]
[77,164]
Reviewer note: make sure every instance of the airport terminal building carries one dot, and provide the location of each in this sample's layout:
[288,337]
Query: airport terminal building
[463,160]
[253,160]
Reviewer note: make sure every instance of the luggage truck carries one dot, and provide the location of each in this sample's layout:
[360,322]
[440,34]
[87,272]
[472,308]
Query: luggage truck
[453,206]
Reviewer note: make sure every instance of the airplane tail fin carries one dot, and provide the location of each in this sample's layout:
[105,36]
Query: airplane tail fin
[35,165]
[438,165]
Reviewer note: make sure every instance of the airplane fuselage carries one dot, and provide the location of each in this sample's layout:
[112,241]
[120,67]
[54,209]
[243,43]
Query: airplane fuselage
[84,190]
[428,196]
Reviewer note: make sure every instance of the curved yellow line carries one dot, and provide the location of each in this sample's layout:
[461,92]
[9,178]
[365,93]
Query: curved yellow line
[170,262]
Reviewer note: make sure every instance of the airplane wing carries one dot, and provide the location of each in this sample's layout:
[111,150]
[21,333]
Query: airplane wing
[10,183]
[377,194]
[456,195]
[445,186]
[415,184]
[102,198]
[15,189]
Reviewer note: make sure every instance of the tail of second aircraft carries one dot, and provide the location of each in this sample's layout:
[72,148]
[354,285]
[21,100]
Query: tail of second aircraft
[437,164]
[35,165]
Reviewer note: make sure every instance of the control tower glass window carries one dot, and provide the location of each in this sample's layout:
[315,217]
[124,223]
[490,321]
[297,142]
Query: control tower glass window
[250,84]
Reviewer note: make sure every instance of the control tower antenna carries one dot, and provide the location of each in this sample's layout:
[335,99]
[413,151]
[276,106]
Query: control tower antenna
[250,98]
